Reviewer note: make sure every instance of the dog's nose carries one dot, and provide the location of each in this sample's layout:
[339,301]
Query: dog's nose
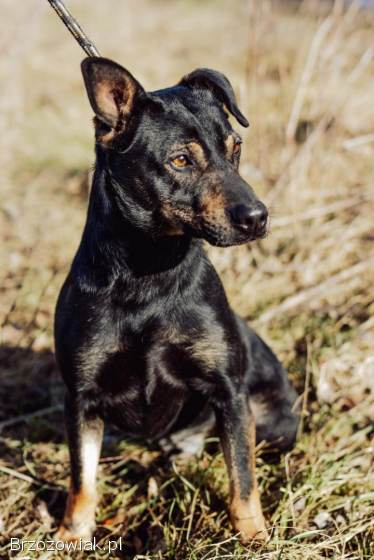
[249,218]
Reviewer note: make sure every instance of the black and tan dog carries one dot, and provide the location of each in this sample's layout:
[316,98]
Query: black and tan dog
[145,337]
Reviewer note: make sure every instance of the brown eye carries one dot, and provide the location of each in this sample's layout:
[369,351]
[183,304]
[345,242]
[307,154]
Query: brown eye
[181,161]
[237,148]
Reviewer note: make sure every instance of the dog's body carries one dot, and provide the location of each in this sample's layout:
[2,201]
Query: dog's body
[145,337]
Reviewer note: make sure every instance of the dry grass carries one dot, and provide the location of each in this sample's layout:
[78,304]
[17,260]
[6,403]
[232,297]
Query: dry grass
[304,75]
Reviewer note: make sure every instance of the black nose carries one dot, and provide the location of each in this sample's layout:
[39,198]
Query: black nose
[251,219]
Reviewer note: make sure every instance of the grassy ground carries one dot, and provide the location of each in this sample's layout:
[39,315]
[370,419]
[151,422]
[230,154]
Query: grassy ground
[304,76]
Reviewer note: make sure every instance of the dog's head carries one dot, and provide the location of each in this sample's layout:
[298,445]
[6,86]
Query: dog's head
[173,156]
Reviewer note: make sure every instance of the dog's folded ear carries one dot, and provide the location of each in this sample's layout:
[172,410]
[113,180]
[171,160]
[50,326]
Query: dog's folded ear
[219,85]
[111,89]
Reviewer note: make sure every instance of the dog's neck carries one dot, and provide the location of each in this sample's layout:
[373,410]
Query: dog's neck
[112,246]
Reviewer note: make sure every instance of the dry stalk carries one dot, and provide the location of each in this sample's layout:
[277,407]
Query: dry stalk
[316,292]
[315,47]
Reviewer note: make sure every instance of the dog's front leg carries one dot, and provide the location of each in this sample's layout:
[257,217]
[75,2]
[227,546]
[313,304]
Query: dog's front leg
[237,434]
[85,434]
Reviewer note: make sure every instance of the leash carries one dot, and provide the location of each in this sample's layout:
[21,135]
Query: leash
[75,29]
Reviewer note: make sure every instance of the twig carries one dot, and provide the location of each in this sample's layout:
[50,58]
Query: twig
[17,474]
[317,212]
[291,497]
[310,294]
[30,416]
[305,394]
[363,63]
[124,458]
[192,511]
[293,157]
[318,39]
[30,479]
[353,143]
[74,27]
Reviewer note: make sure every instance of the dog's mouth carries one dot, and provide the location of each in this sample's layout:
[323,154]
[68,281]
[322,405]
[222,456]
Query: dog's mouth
[225,236]
[220,232]
[225,239]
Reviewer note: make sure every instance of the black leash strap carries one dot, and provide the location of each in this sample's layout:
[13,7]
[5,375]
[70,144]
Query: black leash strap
[74,27]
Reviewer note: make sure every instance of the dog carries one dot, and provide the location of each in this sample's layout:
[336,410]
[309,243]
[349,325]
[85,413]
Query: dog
[145,337]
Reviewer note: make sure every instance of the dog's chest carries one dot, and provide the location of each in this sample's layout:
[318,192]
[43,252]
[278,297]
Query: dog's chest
[139,391]
[144,385]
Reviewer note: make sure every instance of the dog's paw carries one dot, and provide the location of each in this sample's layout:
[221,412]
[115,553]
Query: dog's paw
[247,518]
[251,529]
[74,535]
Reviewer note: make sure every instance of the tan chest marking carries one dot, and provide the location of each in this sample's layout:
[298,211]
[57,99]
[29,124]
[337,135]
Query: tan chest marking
[210,349]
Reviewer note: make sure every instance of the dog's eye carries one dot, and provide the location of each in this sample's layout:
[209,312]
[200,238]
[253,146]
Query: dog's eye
[181,161]
[237,148]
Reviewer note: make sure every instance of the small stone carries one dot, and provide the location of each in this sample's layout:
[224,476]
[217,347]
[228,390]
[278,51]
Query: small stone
[340,519]
[44,514]
[300,504]
[41,342]
[15,260]
[322,519]
[152,488]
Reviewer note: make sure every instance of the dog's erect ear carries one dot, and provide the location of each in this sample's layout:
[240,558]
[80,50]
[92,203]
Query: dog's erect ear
[111,89]
[218,84]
